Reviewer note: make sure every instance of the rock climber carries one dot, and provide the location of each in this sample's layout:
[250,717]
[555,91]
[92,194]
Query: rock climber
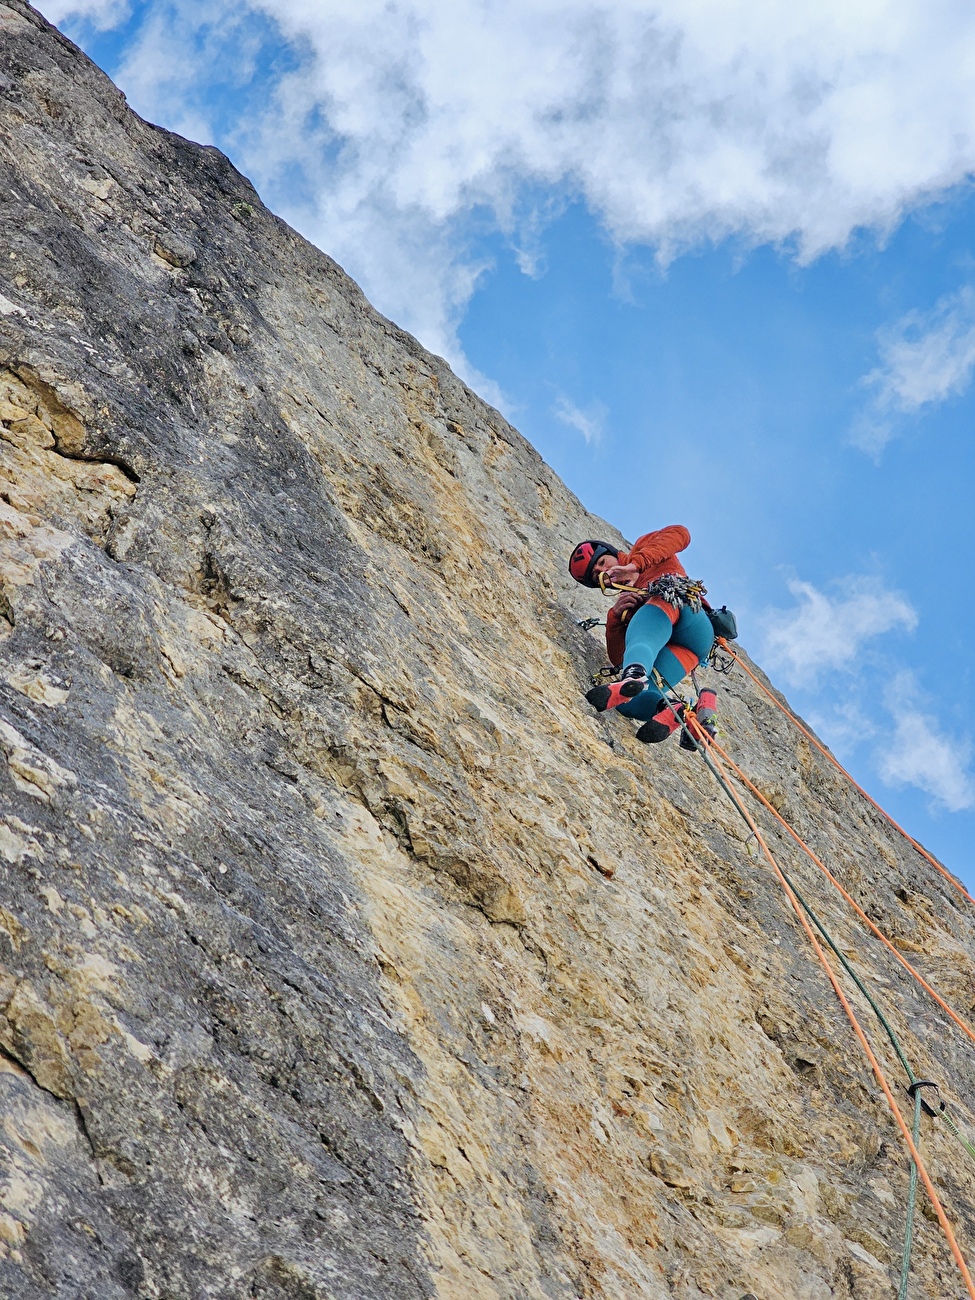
[658,627]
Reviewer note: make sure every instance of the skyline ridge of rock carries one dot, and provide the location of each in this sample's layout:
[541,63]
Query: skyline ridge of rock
[344,953]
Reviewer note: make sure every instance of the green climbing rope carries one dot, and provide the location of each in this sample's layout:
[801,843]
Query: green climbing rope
[907,1249]
[915,1085]
[911,1204]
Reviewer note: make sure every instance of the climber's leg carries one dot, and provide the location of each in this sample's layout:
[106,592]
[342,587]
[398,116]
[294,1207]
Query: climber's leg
[648,631]
[689,645]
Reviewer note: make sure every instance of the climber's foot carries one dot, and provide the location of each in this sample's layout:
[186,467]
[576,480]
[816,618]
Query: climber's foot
[706,711]
[662,725]
[632,682]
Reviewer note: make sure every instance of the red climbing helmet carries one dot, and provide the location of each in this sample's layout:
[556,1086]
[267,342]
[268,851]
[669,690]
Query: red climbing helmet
[584,559]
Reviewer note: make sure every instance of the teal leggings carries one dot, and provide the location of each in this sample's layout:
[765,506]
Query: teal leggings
[649,638]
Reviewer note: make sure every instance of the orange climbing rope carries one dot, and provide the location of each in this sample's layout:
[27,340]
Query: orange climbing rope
[840,768]
[916,974]
[706,742]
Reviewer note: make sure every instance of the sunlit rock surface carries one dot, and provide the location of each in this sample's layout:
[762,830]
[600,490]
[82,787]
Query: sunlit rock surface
[344,953]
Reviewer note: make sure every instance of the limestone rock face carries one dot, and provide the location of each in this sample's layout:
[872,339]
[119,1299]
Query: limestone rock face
[344,953]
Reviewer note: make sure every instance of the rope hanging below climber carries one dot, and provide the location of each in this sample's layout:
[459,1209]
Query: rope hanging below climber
[722,642]
[806,920]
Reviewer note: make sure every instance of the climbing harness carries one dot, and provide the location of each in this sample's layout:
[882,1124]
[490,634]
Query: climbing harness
[674,588]
[677,590]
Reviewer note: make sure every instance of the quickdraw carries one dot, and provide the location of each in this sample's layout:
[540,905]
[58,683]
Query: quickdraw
[605,674]
[721,663]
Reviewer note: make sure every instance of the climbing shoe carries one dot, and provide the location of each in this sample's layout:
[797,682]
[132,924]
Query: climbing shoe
[706,712]
[663,723]
[631,683]
[632,680]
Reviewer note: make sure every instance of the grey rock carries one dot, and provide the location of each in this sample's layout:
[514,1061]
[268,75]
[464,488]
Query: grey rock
[174,250]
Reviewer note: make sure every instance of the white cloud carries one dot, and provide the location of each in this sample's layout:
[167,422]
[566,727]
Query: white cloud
[590,423]
[675,121]
[919,754]
[102,14]
[924,359]
[824,633]
[868,703]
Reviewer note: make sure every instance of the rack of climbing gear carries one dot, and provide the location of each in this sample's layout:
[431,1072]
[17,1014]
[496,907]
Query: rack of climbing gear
[677,589]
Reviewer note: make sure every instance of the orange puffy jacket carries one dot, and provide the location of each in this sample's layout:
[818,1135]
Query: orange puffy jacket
[654,554]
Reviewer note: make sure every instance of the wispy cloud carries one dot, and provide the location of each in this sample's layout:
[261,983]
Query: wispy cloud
[920,754]
[102,14]
[675,123]
[826,633]
[872,703]
[924,359]
[589,422]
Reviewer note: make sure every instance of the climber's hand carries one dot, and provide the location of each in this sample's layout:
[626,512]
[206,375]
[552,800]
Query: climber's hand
[628,604]
[622,573]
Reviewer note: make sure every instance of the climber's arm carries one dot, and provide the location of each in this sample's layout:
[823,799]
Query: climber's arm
[651,548]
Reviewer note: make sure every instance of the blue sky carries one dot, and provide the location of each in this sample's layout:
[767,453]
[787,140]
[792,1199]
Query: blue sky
[714,259]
